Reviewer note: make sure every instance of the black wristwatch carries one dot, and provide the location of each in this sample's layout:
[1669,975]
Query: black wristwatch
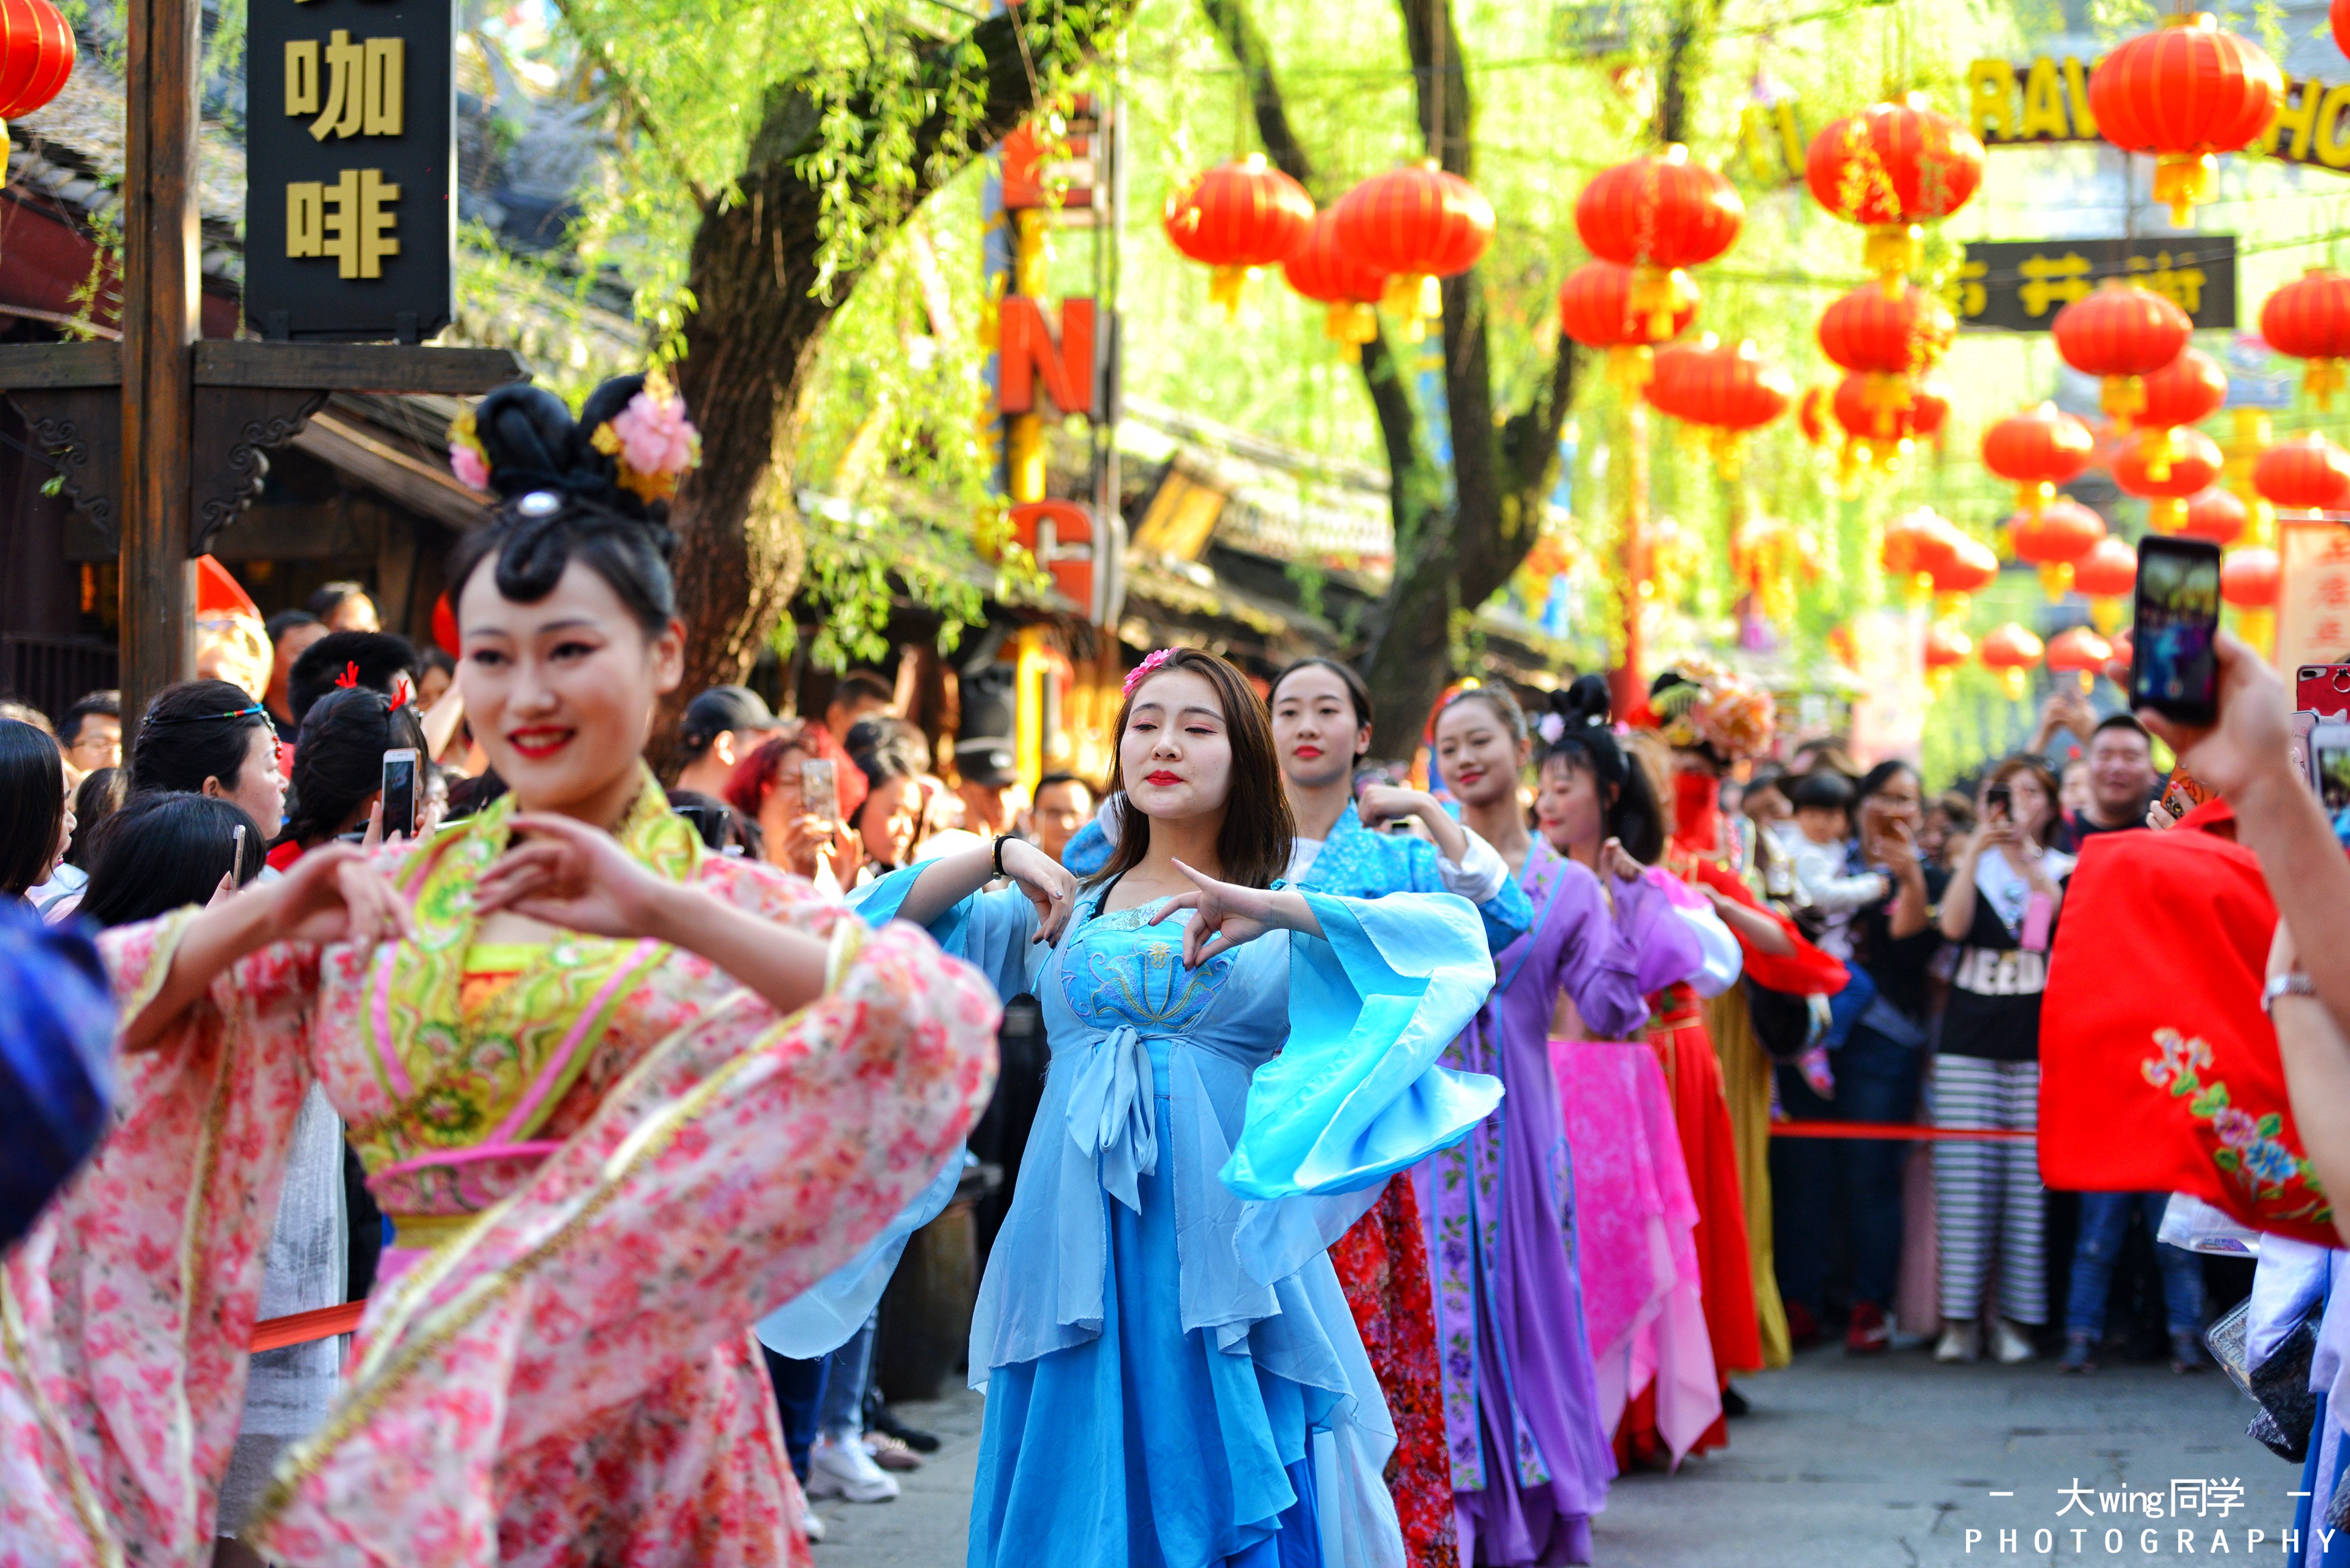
[1001,840]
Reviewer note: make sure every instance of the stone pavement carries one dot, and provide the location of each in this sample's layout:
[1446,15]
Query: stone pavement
[1843,1464]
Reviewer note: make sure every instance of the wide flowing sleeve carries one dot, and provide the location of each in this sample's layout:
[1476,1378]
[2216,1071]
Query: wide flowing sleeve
[1357,1094]
[1721,959]
[128,1309]
[995,933]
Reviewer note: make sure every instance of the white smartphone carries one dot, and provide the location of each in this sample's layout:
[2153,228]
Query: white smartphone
[400,793]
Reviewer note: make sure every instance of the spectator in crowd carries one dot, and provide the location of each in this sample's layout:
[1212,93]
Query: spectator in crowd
[2000,909]
[722,827]
[890,819]
[2096,1248]
[167,850]
[34,821]
[25,713]
[2122,780]
[801,835]
[57,1046]
[438,673]
[291,633]
[861,694]
[375,660]
[720,727]
[990,790]
[1820,849]
[2067,709]
[96,798]
[208,737]
[90,735]
[2073,789]
[345,606]
[339,769]
[1064,804]
[1949,821]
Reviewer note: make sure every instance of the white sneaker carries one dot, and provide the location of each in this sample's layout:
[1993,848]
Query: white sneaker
[846,1469]
[1959,1342]
[2011,1344]
[811,1525]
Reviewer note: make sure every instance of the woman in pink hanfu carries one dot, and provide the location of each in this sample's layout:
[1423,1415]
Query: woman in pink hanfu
[619,1098]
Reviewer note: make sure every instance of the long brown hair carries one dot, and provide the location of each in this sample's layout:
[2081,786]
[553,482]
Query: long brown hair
[1253,843]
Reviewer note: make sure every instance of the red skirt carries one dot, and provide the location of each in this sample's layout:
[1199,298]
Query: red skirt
[1382,1265]
[1701,1113]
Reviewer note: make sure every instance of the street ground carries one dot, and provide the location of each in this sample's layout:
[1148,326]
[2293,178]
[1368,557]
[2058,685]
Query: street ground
[1842,1464]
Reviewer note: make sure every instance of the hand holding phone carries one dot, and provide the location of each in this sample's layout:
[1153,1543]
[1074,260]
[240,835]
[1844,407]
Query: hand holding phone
[819,788]
[399,792]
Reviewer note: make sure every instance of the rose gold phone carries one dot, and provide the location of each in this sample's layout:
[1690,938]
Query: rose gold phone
[819,788]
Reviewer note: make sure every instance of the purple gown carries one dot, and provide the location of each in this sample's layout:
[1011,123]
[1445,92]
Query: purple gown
[1529,1461]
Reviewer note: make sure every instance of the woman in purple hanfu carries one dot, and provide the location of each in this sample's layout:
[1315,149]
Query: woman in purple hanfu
[1530,1460]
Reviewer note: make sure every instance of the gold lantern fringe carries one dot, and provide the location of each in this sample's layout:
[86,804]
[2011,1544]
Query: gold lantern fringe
[2106,614]
[2015,682]
[2183,179]
[2165,513]
[1892,252]
[1224,285]
[2322,381]
[1656,295]
[1630,367]
[2161,449]
[1350,324]
[1414,298]
[2032,498]
[2124,398]
[2056,580]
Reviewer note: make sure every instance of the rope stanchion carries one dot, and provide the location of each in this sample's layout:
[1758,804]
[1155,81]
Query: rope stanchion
[302,1327]
[1910,1130]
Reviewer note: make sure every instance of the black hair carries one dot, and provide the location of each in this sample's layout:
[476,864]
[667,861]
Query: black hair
[1874,781]
[106,704]
[32,805]
[164,851]
[285,620]
[339,761]
[435,657]
[2122,721]
[96,798]
[328,600]
[1049,780]
[467,796]
[561,499]
[1822,789]
[1586,744]
[375,660]
[881,753]
[722,828]
[1358,691]
[195,731]
[1494,696]
[864,682]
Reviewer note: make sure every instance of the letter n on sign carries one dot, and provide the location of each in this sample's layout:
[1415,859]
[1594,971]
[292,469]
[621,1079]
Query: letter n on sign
[1025,348]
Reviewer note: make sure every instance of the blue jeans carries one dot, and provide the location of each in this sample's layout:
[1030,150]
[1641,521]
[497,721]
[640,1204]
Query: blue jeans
[846,1373]
[799,1390]
[1875,1081]
[2104,1222]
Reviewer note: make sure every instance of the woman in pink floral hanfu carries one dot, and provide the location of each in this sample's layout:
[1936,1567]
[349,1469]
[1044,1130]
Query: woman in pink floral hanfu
[619,1097]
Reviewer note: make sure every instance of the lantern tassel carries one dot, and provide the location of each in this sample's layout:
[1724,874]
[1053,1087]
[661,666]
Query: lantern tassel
[1892,252]
[2122,396]
[2106,614]
[2015,682]
[1655,294]
[2322,380]
[2161,449]
[1350,324]
[2166,514]
[2032,499]
[2056,580]
[2181,180]
[1884,397]
[1224,285]
[1630,367]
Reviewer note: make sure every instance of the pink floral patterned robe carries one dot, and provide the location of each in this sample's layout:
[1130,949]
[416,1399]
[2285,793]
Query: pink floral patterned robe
[569,1380]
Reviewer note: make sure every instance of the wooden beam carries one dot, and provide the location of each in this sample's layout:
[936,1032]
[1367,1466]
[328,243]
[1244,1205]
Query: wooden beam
[160,329]
[30,367]
[350,367]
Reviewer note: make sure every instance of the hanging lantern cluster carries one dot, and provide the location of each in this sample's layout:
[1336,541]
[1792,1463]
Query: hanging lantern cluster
[2186,392]
[1767,555]
[2185,92]
[2216,513]
[1658,216]
[1925,552]
[1322,270]
[2108,575]
[2053,539]
[2121,334]
[1889,169]
[2249,580]
[2309,318]
[2036,451]
[2191,461]
[1727,393]
[2013,652]
[1880,430]
[1416,224]
[1236,218]
[1595,310]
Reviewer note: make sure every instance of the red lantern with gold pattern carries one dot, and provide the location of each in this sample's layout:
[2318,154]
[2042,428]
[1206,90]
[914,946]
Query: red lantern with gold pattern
[2185,92]
[1416,224]
[2054,537]
[2195,462]
[2216,513]
[2013,651]
[1728,392]
[1920,546]
[2122,334]
[1595,310]
[2309,318]
[1890,168]
[2036,451]
[1325,271]
[2190,389]
[36,56]
[1658,216]
[1969,567]
[1946,648]
[1885,414]
[1870,331]
[1237,217]
[2305,472]
[2248,579]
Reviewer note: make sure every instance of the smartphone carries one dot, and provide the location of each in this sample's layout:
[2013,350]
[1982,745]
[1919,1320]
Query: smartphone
[2182,792]
[2323,689]
[819,788]
[2329,765]
[400,793]
[2000,799]
[2175,663]
[236,853]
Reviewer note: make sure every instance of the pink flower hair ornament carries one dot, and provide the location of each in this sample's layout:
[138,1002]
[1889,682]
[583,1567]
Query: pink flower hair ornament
[655,442]
[1151,664]
[467,460]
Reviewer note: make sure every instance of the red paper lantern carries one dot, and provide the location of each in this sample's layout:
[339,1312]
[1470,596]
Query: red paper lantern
[2304,472]
[2190,388]
[1657,215]
[1237,217]
[36,56]
[2185,92]
[1890,168]
[2109,571]
[1595,310]
[1946,646]
[1813,411]
[2309,318]
[2339,14]
[1322,270]
[2053,539]
[2195,462]
[1920,548]
[2079,651]
[1969,567]
[2036,451]
[1903,334]
[1884,414]
[2122,334]
[1727,391]
[2011,651]
[2216,513]
[2247,578]
[1416,224]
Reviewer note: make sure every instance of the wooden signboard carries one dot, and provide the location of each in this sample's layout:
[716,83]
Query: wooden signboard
[350,170]
[2021,285]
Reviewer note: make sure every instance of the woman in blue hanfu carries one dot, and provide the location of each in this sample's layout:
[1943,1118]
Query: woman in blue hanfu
[1173,1378]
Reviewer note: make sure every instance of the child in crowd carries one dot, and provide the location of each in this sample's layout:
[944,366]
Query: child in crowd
[1828,895]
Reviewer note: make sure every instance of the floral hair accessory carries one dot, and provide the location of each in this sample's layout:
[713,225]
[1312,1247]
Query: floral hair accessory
[349,678]
[1707,704]
[467,460]
[1551,726]
[1150,666]
[655,442]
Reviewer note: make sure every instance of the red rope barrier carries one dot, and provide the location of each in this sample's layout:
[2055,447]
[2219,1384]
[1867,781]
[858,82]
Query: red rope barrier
[302,1327]
[1910,1130]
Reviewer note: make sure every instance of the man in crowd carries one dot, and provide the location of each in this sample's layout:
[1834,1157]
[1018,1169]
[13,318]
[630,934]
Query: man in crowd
[720,727]
[861,694]
[345,606]
[989,787]
[291,633]
[90,735]
[1064,804]
[2122,778]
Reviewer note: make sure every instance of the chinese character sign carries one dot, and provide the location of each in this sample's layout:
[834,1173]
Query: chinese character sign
[350,169]
[2313,595]
[2021,285]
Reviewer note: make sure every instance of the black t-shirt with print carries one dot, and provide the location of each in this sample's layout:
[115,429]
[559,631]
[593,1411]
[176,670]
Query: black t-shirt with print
[1993,1012]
